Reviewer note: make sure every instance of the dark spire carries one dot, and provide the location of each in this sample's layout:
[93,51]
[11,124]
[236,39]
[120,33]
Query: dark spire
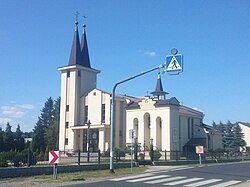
[159,89]
[75,54]
[84,49]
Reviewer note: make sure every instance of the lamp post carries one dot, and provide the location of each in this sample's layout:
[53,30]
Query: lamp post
[112,121]
[88,139]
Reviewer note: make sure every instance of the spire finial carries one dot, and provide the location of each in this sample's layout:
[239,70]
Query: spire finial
[76,14]
[159,74]
[76,21]
[84,25]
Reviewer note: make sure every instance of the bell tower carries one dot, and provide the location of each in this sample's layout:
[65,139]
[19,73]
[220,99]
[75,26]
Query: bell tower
[77,79]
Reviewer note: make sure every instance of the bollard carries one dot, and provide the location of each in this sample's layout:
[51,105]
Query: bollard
[88,155]
[79,157]
[99,156]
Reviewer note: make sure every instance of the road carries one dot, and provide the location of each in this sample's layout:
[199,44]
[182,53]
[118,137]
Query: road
[215,175]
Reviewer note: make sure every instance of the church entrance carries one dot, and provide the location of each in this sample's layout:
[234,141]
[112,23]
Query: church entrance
[91,138]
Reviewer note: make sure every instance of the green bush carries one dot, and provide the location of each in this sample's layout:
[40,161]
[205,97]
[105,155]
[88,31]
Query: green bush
[3,163]
[157,155]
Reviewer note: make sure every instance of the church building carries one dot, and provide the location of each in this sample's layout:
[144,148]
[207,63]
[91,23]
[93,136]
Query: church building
[85,112]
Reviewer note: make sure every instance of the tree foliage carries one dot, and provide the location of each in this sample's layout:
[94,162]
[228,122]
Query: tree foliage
[46,128]
[11,140]
[232,135]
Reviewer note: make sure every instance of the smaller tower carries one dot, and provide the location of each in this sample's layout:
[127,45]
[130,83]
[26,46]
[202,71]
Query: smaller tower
[159,93]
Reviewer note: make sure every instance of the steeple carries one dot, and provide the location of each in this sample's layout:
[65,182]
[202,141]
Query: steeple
[84,49]
[159,89]
[75,54]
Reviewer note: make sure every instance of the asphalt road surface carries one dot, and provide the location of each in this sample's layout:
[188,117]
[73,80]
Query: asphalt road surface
[215,175]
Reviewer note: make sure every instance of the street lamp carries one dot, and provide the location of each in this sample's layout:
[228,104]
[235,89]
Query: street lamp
[112,121]
[88,139]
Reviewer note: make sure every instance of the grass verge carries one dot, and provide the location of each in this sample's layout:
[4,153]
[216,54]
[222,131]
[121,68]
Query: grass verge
[84,175]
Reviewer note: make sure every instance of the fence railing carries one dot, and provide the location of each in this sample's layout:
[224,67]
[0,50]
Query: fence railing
[27,159]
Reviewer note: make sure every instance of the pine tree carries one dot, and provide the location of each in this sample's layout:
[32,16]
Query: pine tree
[38,139]
[53,130]
[8,138]
[228,136]
[238,137]
[47,113]
[19,140]
[46,129]
[1,140]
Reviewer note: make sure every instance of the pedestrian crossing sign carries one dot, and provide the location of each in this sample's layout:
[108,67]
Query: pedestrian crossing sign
[174,64]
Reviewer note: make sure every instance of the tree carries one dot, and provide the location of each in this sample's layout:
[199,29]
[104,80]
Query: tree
[48,113]
[46,129]
[228,136]
[238,137]
[52,131]
[8,138]
[1,140]
[38,139]
[19,140]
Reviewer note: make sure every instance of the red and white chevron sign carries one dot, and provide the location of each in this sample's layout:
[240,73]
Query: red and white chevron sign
[199,150]
[243,149]
[54,157]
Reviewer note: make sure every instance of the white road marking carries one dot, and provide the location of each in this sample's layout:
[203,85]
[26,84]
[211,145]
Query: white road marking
[164,180]
[183,181]
[203,182]
[147,178]
[131,177]
[228,183]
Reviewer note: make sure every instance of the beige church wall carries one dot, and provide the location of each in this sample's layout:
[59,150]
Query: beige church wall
[88,80]
[184,130]
[94,107]
[62,111]
[174,128]
[163,113]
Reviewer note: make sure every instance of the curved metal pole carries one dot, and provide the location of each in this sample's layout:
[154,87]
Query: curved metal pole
[112,121]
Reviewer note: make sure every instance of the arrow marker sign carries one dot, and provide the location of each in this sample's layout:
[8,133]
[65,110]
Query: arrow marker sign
[243,149]
[199,150]
[54,157]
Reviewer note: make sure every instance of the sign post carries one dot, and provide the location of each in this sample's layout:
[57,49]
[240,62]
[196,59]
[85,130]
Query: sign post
[199,150]
[54,159]
[243,150]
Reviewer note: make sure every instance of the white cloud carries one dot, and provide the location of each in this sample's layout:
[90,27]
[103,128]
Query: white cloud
[3,121]
[16,111]
[150,53]
[13,113]
[26,106]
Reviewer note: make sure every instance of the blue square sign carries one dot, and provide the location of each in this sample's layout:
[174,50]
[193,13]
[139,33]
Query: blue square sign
[174,64]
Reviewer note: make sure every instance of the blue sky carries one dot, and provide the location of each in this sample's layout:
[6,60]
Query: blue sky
[125,38]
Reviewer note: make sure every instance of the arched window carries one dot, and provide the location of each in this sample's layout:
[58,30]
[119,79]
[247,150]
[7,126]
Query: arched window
[159,133]
[147,129]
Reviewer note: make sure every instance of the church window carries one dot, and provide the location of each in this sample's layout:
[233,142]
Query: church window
[67,125]
[67,108]
[66,141]
[188,128]
[79,73]
[103,113]
[192,131]
[86,113]
[68,74]
[94,93]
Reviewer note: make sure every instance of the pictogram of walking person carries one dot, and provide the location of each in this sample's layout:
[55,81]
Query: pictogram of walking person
[174,64]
